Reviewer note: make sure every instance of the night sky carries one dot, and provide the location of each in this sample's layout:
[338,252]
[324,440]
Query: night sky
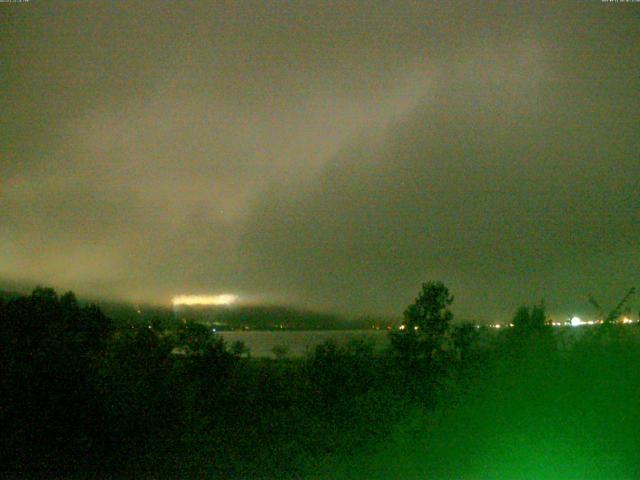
[327,154]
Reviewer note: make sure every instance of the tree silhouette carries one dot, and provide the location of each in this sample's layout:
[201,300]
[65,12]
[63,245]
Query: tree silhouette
[48,345]
[529,320]
[426,322]
[463,337]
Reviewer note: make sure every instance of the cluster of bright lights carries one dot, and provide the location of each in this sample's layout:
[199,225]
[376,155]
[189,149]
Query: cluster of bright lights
[223,299]
[575,321]
[404,327]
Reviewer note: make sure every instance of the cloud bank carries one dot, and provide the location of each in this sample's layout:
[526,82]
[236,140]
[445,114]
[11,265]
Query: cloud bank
[329,154]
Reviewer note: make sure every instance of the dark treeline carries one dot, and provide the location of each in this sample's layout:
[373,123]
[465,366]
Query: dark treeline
[241,317]
[84,396]
[269,317]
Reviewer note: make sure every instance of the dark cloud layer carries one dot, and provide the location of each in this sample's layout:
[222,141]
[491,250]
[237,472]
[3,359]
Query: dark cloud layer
[333,154]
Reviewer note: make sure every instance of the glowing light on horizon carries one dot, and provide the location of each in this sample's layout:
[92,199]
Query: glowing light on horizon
[223,299]
[576,322]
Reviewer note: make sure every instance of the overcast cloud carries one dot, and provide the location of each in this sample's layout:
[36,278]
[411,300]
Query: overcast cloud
[329,154]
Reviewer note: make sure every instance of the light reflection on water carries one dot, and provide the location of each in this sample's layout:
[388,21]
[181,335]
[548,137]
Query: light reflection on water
[297,343]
